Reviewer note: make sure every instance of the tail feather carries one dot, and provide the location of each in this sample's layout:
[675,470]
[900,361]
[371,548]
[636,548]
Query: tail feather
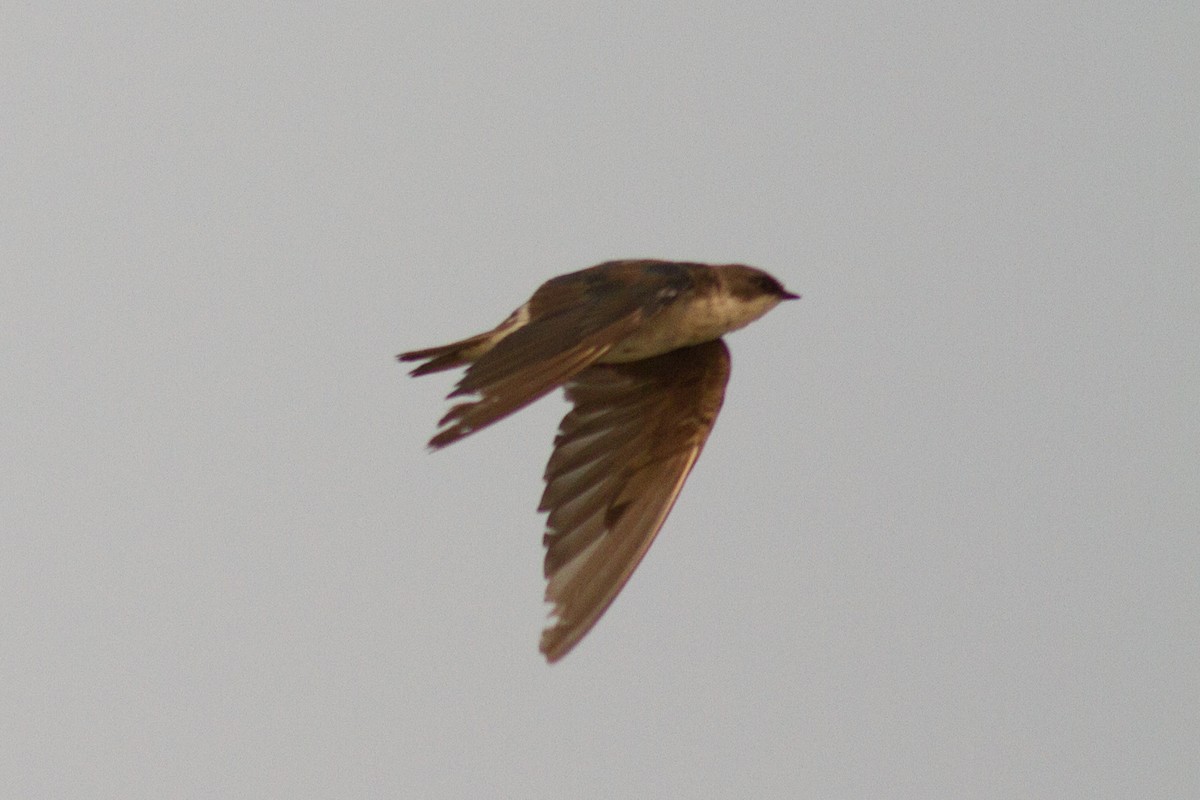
[447,356]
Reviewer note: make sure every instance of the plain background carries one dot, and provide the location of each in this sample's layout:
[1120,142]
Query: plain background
[943,542]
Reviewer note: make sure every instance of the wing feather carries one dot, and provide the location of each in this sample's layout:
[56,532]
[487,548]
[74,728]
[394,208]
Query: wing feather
[621,456]
[534,360]
[570,322]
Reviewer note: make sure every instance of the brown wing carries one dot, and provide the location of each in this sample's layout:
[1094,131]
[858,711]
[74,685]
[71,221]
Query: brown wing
[574,320]
[523,367]
[620,458]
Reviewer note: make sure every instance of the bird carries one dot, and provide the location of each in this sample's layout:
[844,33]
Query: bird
[636,345]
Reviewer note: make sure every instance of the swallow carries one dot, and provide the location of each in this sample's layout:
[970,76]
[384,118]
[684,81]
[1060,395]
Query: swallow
[637,347]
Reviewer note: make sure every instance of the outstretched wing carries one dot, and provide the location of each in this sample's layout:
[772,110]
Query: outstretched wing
[525,366]
[573,321]
[620,458]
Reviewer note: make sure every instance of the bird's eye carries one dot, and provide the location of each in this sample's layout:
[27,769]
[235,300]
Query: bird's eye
[769,285]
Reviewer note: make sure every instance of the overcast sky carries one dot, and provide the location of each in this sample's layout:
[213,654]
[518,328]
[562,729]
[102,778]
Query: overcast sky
[944,541]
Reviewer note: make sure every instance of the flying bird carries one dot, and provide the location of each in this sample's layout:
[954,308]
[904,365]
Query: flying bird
[637,347]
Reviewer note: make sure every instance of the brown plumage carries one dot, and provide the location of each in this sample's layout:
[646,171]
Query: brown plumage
[636,346]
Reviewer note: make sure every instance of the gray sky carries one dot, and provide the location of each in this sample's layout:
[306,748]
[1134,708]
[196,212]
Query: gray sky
[943,542]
